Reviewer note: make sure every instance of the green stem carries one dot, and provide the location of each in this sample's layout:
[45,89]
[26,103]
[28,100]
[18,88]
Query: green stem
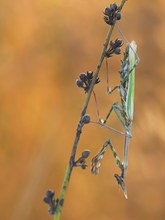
[80,125]
[63,191]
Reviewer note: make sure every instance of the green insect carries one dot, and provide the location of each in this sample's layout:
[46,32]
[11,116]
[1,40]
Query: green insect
[124,110]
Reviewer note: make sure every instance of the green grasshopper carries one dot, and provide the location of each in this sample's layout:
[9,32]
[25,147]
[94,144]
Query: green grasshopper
[124,111]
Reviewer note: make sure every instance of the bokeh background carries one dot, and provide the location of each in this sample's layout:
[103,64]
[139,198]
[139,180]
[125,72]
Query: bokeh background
[44,45]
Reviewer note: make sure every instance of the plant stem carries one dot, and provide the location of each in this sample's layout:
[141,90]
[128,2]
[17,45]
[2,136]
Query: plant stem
[80,124]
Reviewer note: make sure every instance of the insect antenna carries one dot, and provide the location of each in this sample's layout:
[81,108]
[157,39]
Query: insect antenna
[107,73]
[97,106]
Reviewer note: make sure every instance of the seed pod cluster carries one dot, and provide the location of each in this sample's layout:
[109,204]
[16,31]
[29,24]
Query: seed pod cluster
[49,199]
[114,48]
[81,162]
[85,80]
[111,14]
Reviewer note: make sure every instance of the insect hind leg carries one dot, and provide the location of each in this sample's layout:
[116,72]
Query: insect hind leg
[117,108]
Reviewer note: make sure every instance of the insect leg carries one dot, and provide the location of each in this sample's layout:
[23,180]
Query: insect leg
[118,110]
[113,89]
[96,161]
[125,161]
[119,179]
[118,161]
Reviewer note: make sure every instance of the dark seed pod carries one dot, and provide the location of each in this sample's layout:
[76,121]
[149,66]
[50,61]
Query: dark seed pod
[113,6]
[118,42]
[85,154]
[117,50]
[90,74]
[50,201]
[112,44]
[49,196]
[118,15]
[46,200]
[79,83]
[107,11]
[50,193]
[83,77]
[86,119]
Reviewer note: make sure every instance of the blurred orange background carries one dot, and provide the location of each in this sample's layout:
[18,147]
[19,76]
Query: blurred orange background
[44,45]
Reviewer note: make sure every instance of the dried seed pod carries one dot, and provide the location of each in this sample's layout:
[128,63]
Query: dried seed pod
[85,154]
[118,42]
[79,83]
[118,15]
[49,196]
[112,44]
[107,11]
[89,75]
[117,50]
[113,7]
[81,162]
[83,77]
[49,199]
[86,119]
